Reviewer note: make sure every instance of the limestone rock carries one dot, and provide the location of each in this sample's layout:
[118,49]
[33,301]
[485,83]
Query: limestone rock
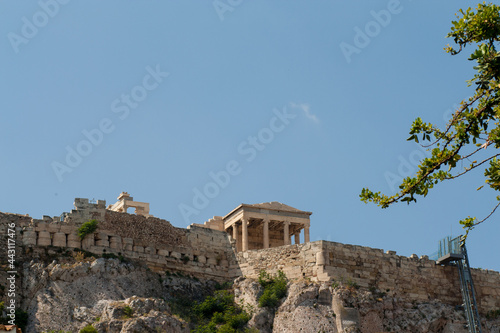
[124,297]
[68,297]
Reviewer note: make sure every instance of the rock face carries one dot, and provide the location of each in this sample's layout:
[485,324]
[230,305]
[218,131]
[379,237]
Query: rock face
[312,307]
[137,315]
[119,297]
[114,296]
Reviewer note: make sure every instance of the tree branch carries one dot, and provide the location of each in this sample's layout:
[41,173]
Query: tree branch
[472,167]
[487,217]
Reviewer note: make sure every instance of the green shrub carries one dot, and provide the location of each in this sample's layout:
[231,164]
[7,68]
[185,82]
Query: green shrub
[219,314]
[21,319]
[493,314]
[218,318]
[335,284]
[275,289]
[226,328]
[237,321]
[268,299]
[88,329]
[220,302]
[20,315]
[128,311]
[109,256]
[87,228]
[352,284]
[225,285]
[211,327]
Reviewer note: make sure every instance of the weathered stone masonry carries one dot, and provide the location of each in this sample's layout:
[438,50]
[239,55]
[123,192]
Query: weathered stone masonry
[195,251]
[414,279]
[212,254]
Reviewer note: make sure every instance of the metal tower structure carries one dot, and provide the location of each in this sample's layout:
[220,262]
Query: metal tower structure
[454,252]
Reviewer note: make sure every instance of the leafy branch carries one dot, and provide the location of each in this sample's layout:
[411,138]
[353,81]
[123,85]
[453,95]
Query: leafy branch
[476,122]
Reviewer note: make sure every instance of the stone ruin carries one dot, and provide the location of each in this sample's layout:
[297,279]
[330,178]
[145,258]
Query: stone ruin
[249,239]
[263,225]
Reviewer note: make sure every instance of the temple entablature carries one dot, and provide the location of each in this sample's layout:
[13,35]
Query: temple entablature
[125,201]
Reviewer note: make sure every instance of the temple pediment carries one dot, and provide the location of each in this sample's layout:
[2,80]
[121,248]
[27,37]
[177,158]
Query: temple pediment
[275,205]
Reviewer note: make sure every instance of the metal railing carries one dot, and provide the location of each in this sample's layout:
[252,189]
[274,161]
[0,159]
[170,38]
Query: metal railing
[449,245]
[456,246]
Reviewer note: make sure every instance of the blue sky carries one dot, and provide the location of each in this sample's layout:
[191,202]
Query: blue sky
[300,102]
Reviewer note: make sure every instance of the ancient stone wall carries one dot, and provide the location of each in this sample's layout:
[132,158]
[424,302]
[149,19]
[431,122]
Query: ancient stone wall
[199,252]
[413,278]
[209,254]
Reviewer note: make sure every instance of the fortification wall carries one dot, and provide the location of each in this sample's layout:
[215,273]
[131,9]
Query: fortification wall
[413,278]
[207,253]
[199,252]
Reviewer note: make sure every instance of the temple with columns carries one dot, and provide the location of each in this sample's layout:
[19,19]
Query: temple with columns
[253,227]
[264,225]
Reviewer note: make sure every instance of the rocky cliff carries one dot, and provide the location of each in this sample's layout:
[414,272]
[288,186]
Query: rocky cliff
[114,296]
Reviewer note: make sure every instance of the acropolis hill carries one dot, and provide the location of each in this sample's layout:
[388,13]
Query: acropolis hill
[250,238]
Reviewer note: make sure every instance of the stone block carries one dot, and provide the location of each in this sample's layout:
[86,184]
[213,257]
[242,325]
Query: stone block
[128,244]
[29,238]
[115,242]
[59,239]
[102,239]
[102,242]
[176,255]
[67,229]
[202,259]
[74,241]
[163,252]
[320,259]
[323,277]
[44,238]
[53,228]
[88,242]
[41,226]
[138,249]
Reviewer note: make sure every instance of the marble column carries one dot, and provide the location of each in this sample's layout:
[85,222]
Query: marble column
[286,225]
[244,236]
[236,237]
[306,234]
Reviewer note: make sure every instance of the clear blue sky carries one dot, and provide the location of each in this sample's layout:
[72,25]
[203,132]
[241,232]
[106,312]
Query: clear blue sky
[172,93]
